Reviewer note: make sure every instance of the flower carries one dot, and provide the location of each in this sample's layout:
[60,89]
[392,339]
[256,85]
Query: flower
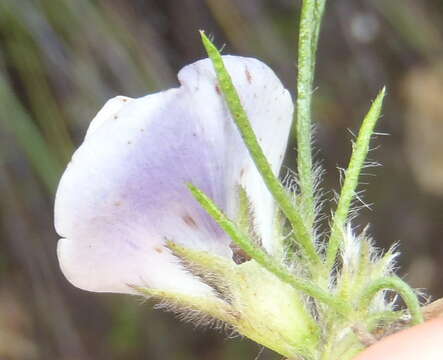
[124,193]
[130,224]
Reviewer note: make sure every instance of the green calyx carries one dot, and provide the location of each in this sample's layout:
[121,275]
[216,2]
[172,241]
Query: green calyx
[274,313]
[248,298]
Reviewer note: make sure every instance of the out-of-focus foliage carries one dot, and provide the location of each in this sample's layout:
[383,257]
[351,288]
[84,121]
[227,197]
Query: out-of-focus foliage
[60,61]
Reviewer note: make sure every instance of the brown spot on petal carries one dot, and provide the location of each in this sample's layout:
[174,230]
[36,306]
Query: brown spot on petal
[189,220]
[158,249]
[217,89]
[242,172]
[248,75]
[117,203]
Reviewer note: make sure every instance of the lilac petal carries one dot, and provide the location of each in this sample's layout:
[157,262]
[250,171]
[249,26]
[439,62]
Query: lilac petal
[108,111]
[124,192]
[270,110]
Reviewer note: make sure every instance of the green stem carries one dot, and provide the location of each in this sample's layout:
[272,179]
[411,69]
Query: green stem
[318,16]
[310,21]
[284,201]
[261,257]
[399,286]
[358,157]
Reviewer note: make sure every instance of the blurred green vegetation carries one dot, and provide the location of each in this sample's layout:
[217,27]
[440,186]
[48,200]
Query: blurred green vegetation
[61,60]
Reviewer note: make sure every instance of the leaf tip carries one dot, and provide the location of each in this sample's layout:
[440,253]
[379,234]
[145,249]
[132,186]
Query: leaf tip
[381,94]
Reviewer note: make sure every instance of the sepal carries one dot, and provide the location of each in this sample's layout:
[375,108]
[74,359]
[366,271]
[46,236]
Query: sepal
[259,305]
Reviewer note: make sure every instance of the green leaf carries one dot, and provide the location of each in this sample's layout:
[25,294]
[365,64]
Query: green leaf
[348,191]
[284,201]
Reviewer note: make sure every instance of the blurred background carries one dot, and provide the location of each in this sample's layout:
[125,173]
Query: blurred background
[61,60]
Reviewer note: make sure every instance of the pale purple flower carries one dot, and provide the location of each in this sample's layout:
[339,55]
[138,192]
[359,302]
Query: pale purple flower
[125,191]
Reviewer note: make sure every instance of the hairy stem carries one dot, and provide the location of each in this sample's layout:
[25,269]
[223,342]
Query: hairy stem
[310,20]
[399,286]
